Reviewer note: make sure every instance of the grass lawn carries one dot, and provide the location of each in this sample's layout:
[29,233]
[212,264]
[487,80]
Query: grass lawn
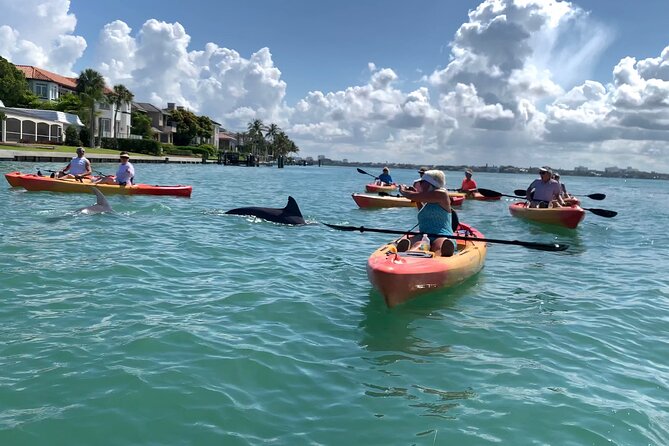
[69,149]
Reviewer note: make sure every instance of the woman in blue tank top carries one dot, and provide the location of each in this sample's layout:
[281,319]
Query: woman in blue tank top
[434,213]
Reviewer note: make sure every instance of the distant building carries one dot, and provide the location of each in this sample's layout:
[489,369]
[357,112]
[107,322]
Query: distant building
[613,169]
[581,169]
[321,157]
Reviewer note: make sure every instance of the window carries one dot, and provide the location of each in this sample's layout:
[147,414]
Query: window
[105,127]
[41,91]
[104,106]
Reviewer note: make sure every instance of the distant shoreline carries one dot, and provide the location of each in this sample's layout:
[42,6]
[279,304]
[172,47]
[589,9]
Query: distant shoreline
[622,173]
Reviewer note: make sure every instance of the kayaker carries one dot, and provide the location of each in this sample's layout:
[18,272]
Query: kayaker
[434,213]
[563,188]
[125,174]
[545,191]
[385,178]
[468,185]
[79,167]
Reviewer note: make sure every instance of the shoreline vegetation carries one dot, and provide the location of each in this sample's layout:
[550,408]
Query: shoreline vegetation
[584,172]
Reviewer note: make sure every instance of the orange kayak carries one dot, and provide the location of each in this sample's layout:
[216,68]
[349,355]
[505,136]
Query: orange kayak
[34,182]
[480,197]
[368,201]
[403,276]
[567,216]
[379,188]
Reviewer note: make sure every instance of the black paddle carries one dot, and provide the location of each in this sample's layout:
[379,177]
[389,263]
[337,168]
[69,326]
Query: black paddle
[591,196]
[363,172]
[529,245]
[494,194]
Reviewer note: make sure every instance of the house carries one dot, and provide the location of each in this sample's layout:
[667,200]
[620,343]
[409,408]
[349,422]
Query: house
[227,142]
[161,122]
[35,126]
[216,127]
[50,86]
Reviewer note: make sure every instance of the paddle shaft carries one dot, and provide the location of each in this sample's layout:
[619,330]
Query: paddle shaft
[591,196]
[529,245]
[366,173]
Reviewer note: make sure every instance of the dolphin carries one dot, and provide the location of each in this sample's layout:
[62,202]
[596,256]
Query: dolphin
[100,206]
[289,215]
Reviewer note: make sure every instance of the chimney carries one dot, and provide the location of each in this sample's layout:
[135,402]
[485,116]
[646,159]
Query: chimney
[170,105]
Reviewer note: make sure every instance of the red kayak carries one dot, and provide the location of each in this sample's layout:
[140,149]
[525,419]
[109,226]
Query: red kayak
[403,276]
[33,182]
[373,187]
[567,216]
[478,196]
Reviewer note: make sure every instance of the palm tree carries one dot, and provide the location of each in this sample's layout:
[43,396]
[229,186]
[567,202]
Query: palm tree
[256,129]
[121,95]
[90,86]
[271,133]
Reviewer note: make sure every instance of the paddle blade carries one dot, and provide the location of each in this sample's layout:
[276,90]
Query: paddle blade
[602,212]
[520,192]
[361,171]
[489,193]
[596,196]
[552,247]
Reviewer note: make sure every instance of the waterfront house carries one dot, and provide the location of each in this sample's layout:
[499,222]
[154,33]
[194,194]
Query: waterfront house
[35,126]
[161,122]
[49,86]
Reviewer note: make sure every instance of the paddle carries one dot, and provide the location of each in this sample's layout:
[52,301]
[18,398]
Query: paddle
[363,172]
[494,194]
[529,245]
[386,194]
[591,196]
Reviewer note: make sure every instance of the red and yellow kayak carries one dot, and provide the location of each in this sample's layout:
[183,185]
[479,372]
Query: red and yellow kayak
[372,187]
[368,201]
[403,276]
[34,182]
[567,216]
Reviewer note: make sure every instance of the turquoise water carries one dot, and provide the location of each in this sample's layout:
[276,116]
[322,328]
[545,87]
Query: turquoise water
[169,322]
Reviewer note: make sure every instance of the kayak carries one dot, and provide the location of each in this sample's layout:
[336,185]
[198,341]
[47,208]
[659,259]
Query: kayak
[403,276]
[567,216]
[368,201]
[379,188]
[571,201]
[481,197]
[34,182]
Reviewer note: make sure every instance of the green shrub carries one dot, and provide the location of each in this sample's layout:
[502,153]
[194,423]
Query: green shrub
[147,146]
[72,136]
[85,136]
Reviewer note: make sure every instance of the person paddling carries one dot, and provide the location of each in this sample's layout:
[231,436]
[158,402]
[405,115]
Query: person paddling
[125,174]
[468,185]
[385,179]
[434,213]
[79,167]
[544,192]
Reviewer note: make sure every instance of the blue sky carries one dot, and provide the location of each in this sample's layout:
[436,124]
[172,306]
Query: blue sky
[524,82]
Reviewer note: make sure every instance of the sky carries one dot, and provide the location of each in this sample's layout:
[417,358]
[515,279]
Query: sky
[458,82]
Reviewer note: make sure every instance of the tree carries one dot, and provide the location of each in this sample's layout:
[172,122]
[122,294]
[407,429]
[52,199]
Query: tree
[256,129]
[141,124]
[271,133]
[14,90]
[72,136]
[69,103]
[121,95]
[187,126]
[90,86]
[205,127]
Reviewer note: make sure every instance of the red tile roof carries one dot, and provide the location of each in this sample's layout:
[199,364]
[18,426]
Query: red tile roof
[31,72]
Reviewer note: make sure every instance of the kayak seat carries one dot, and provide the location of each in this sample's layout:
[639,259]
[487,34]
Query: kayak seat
[419,254]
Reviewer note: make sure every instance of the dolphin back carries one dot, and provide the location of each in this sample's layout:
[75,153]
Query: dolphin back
[101,199]
[289,215]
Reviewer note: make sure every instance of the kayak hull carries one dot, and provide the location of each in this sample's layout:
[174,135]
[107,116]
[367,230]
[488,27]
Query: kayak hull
[367,201]
[373,188]
[399,277]
[33,182]
[567,216]
[480,197]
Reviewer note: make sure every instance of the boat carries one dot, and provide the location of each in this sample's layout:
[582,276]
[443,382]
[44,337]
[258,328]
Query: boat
[399,277]
[370,201]
[373,187]
[480,197]
[34,182]
[569,201]
[567,216]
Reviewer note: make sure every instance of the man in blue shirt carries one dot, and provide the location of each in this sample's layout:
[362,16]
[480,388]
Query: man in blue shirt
[544,191]
[385,177]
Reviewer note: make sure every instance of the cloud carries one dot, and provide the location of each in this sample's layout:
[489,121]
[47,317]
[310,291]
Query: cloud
[515,88]
[51,45]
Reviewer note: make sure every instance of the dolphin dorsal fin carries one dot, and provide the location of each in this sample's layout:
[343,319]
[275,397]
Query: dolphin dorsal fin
[101,199]
[292,208]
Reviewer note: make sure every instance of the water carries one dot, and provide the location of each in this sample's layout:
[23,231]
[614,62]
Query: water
[169,322]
